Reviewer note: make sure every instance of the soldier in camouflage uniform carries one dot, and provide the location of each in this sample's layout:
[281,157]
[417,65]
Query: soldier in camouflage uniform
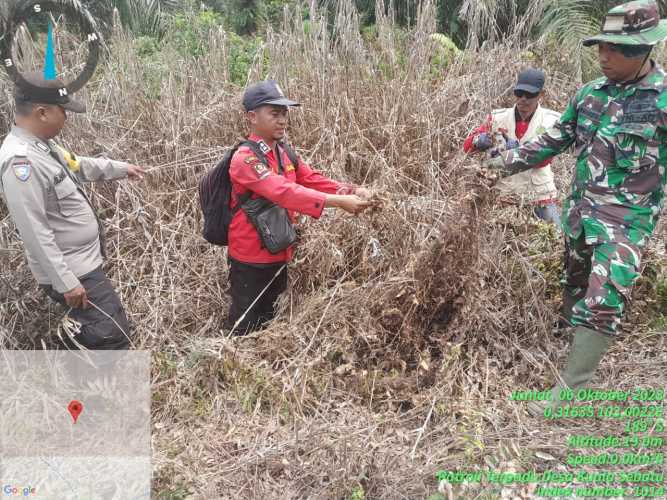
[618,125]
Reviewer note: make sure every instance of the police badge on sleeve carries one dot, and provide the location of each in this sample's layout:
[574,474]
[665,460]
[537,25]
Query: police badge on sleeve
[22,170]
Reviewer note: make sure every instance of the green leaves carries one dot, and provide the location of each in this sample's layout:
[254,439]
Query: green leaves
[141,17]
[558,25]
[568,22]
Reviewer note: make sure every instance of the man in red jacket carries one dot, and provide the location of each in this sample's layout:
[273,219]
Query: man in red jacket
[257,276]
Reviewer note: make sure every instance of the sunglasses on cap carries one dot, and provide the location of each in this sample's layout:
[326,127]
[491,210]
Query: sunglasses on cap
[527,95]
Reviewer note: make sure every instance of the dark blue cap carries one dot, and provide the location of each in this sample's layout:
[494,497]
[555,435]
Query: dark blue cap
[530,80]
[48,92]
[263,93]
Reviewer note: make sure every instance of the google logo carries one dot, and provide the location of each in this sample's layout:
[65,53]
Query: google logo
[18,491]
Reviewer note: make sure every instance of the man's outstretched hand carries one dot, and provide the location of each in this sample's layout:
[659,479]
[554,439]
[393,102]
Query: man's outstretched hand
[351,203]
[135,172]
[363,193]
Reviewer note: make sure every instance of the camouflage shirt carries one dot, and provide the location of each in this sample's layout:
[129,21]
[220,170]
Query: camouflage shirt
[620,137]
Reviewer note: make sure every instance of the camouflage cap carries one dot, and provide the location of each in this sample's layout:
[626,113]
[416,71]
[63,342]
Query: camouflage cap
[632,23]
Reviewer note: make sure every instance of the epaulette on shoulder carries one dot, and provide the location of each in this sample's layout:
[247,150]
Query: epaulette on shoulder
[20,149]
[244,149]
[587,87]
[14,145]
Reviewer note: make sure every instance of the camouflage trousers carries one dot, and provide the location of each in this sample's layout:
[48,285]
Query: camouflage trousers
[598,282]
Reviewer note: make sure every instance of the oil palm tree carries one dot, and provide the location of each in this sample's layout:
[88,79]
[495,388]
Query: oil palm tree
[564,22]
[142,17]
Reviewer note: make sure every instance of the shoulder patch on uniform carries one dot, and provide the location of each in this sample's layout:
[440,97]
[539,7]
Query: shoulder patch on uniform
[22,169]
[251,159]
[42,146]
[261,170]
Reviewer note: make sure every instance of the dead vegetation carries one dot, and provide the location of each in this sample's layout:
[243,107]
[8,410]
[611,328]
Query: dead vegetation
[404,331]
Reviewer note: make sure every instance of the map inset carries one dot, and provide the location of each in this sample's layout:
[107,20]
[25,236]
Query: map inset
[75,424]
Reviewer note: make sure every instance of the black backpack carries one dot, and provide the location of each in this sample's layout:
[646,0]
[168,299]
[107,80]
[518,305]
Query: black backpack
[215,193]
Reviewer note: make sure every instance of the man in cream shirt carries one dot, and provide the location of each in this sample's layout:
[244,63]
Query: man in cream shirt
[514,126]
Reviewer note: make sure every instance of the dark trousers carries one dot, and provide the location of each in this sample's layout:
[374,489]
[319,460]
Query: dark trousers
[103,328]
[247,282]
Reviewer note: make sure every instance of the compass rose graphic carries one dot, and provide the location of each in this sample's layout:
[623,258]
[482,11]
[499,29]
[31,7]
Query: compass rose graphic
[58,37]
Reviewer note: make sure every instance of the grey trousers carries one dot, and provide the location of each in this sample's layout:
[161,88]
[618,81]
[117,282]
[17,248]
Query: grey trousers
[103,328]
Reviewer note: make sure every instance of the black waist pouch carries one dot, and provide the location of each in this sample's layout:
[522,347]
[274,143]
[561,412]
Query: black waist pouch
[272,223]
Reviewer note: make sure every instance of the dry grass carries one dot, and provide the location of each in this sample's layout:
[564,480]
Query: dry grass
[404,330]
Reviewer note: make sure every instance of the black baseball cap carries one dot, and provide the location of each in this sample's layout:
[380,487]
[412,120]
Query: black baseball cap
[265,92]
[530,80]
[50,92]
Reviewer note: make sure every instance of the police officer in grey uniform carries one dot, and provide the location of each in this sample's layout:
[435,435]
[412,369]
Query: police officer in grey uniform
[41,183]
